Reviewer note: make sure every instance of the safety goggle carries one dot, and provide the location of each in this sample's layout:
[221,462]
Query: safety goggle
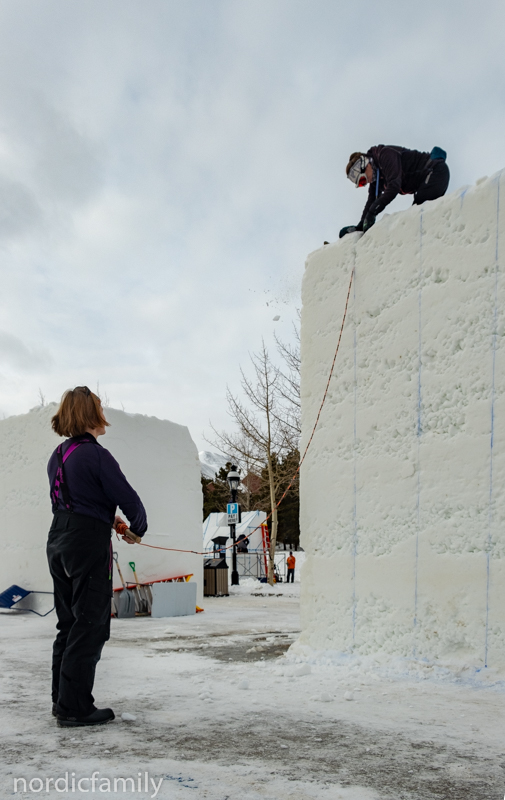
[357,173]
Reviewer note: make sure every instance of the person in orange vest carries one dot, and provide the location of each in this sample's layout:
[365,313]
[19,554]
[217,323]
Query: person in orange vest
[291,561]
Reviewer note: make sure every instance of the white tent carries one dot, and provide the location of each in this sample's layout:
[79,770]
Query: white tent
[216,525]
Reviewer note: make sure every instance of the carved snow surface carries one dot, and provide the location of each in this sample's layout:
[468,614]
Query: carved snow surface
[402,501]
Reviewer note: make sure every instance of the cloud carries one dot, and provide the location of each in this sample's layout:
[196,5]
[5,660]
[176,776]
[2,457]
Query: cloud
[19,210]
[166,167]
[19,356]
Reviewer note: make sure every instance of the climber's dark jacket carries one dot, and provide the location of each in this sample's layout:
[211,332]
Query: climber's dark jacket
[401,171]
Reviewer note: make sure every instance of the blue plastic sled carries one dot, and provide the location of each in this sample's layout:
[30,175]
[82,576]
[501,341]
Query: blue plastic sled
[14,594]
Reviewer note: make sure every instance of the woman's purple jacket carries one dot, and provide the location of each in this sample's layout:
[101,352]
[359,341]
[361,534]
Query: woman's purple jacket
[96,485]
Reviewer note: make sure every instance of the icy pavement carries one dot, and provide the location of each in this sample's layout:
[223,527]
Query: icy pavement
[222,710]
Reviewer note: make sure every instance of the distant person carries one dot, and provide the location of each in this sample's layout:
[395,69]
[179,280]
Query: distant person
[291,561]
[87,485]
[242,544]
[389,171]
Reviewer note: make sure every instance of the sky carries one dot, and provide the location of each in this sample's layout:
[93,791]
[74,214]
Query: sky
[166,167]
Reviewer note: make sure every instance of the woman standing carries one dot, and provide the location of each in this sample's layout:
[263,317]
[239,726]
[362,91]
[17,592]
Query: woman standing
[87,485]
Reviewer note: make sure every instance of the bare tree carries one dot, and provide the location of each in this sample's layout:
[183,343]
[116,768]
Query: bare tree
[105,399]
[263,435]
[42,398]
[289,386]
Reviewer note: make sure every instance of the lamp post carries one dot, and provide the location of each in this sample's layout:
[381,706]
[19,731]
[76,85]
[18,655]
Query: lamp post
[233,479]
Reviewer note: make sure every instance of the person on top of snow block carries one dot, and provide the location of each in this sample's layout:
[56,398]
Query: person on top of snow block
[391,170]
[87,485]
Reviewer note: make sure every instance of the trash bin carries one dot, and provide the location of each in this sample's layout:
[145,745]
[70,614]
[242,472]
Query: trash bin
[215,577]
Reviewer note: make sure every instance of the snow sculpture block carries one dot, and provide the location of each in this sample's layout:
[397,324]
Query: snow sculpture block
[158,458]
[402,499]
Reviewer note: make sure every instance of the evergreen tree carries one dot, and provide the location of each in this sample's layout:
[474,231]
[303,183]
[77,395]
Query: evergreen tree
[289,509]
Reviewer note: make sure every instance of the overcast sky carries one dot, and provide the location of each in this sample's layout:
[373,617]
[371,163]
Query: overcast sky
[166,166]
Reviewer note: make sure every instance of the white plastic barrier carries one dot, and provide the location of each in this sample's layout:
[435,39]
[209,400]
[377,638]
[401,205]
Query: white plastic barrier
[173,599]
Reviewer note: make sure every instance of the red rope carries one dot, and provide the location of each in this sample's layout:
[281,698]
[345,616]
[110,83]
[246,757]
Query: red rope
[195,552]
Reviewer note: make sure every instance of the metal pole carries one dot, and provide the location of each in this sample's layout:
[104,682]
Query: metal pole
[234,572]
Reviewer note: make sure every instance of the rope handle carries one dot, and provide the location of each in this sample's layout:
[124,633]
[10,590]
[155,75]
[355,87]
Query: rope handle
[123,530]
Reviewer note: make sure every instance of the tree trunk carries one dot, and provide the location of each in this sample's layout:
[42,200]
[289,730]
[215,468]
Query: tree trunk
[273,534]
[273,544]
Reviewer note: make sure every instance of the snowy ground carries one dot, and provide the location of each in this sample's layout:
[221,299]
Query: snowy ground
[223,713]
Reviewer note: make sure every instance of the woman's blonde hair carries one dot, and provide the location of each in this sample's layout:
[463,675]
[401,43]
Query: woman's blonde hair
[80,410]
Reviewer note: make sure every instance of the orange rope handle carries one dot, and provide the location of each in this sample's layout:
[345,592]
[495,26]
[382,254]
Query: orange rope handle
[323,401]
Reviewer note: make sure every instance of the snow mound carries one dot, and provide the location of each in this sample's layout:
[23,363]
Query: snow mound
[254,587]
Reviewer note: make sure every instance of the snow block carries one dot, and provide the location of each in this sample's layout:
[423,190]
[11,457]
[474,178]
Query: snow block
[402,501]
[158,458]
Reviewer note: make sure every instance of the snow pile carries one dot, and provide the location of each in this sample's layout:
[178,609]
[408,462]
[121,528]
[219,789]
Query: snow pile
[382,666]
[158,458]
[402,508]
[252,586]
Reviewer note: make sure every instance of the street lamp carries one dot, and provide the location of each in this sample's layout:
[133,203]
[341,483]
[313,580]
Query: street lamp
[233,479]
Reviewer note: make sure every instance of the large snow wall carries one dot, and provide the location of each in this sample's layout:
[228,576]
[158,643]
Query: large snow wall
[402,501]
[158,458]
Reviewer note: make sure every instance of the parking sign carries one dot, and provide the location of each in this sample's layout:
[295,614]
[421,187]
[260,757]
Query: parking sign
[233,510]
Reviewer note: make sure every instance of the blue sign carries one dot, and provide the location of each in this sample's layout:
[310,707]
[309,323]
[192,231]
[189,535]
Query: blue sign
[233,510]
